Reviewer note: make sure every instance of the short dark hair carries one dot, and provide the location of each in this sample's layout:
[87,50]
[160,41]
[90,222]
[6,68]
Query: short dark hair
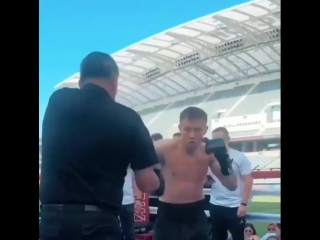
[177,134]
[205,139]
[221,129]
[192,113]
[98,65]
[156,136]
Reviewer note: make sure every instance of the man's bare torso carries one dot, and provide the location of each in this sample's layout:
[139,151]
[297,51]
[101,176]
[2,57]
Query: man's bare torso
[183,173]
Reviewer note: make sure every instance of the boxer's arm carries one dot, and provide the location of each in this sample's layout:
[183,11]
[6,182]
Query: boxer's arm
[144,158]
[230,182]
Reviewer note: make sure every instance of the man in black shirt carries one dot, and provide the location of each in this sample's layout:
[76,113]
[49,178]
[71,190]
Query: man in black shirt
[88,142]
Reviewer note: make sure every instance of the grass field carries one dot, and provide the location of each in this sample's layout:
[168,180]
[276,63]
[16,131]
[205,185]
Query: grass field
[264,205]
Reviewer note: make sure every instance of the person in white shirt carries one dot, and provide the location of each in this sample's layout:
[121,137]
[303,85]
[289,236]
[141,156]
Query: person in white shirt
[229,208]
[131,202]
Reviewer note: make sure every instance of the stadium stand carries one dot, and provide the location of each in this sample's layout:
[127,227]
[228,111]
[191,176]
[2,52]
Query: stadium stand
[262,94]
[263,160]
[164,118]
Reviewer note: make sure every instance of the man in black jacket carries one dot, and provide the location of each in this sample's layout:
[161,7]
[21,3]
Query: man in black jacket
[88,142]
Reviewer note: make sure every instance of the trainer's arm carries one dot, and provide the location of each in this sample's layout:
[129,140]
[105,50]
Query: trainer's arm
[245,171]
[144,158]
[230,182]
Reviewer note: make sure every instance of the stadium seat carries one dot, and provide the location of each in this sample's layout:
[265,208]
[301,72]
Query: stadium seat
[164,118]
[260,96]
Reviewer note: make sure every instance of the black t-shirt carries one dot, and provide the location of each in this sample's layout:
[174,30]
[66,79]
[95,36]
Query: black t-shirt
[88,141]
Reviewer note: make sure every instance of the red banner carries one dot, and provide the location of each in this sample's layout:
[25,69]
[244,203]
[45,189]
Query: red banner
[143,215]
[266,174]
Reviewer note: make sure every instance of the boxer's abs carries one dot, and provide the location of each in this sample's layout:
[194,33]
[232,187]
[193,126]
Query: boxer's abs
[182,192]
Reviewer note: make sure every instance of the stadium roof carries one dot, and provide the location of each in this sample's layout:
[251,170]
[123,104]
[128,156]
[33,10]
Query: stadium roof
[232,45]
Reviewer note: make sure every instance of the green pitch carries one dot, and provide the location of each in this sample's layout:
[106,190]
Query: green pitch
[264,205]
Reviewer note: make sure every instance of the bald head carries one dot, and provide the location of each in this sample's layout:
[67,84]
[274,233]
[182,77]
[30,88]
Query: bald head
[98,65]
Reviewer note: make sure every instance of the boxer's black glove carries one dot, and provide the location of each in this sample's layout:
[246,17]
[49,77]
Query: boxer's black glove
[218,148]
[159,192]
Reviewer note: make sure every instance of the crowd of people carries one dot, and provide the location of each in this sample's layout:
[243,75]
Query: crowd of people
[273,232]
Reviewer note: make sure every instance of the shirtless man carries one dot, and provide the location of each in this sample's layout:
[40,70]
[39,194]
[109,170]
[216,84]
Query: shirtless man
[184,165]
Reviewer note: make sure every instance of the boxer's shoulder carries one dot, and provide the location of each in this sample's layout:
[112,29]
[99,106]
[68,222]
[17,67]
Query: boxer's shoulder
[165,144]
[164,149]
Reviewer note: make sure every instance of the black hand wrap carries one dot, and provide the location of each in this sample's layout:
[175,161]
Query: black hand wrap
[219,149]
[160,190]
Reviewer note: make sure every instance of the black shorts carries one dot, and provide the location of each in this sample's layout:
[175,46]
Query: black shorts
[181,222]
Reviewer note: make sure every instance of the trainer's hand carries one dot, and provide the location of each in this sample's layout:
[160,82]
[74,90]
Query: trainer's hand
[219,149]
[242,211]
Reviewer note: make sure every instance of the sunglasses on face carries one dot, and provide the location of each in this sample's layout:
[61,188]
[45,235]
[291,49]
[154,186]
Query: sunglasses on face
[271,229]
[248,231]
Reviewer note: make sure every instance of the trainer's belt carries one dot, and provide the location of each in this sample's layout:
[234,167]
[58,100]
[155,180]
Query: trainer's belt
[62,207]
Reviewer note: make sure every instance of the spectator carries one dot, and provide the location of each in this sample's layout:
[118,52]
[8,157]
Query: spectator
[156,137]
[273,238]
[250,232]
[271,231]
[265,237]
[176,135]
[278,230]
[271,228]
[229,208]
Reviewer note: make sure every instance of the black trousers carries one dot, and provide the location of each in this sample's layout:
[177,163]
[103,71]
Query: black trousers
[73,222]
[127,221]
[223,219]
[181,222]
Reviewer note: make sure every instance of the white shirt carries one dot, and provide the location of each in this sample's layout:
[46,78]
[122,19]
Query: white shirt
[222,196]
[128,195]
